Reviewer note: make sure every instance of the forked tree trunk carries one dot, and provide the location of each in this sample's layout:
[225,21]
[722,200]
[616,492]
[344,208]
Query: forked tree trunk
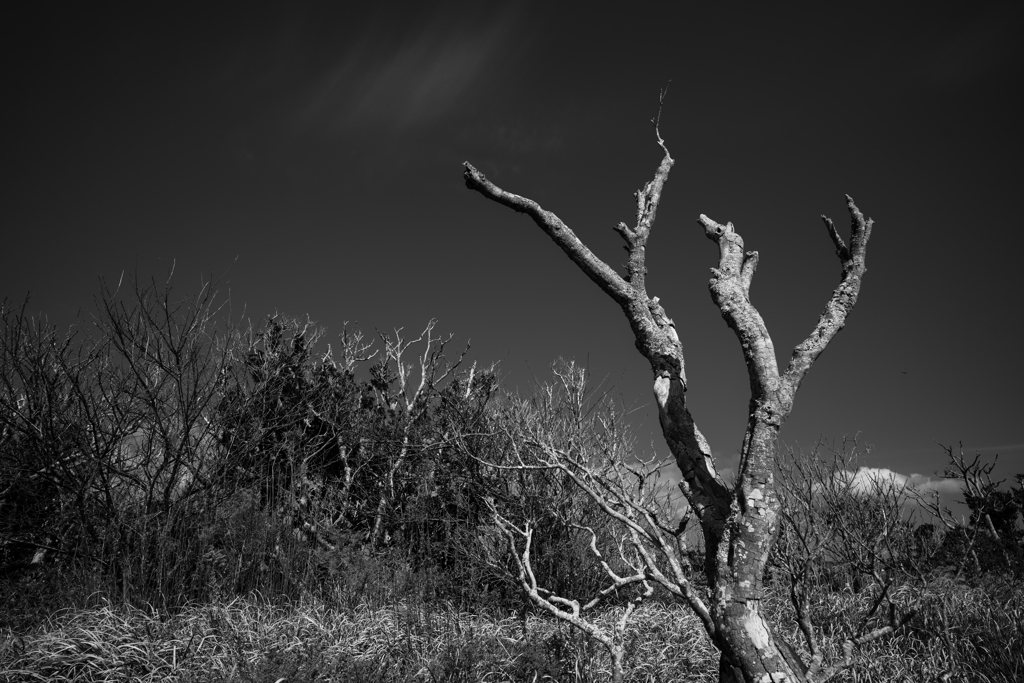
[739,523]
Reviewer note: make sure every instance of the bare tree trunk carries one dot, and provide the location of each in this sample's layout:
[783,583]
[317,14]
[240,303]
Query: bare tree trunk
[739,524]
[387,496]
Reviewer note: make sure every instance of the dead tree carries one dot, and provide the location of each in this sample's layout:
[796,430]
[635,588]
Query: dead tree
[739,523]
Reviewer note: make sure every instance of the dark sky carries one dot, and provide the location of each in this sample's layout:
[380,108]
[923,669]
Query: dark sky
[310,157]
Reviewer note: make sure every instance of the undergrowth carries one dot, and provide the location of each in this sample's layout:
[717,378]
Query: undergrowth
[960,632]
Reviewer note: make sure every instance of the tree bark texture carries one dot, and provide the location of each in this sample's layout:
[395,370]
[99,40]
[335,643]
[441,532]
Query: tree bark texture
[739,523]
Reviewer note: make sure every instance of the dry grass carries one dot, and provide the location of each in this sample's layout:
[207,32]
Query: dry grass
[962,633]
[249,640]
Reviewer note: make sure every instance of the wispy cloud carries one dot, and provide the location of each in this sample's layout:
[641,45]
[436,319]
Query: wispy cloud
[414,81]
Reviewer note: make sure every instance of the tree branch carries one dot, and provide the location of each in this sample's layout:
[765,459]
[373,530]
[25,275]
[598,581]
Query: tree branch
[843,297]
[647,201]
[730,290]
[596,269]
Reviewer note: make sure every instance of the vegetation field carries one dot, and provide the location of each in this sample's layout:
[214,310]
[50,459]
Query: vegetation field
[183,499]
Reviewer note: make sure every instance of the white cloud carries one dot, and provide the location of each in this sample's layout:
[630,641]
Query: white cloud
[864,481]
[869,480]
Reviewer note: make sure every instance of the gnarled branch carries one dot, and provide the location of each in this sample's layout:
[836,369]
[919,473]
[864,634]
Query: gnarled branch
[840,303]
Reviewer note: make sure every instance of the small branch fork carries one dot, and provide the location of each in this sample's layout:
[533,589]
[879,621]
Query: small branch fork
[647,201]
[570,610]
[408,399]
[434,368]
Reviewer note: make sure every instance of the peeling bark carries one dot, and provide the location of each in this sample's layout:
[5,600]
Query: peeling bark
[739,524]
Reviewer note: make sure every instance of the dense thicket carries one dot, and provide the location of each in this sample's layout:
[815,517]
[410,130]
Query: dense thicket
[157,454]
